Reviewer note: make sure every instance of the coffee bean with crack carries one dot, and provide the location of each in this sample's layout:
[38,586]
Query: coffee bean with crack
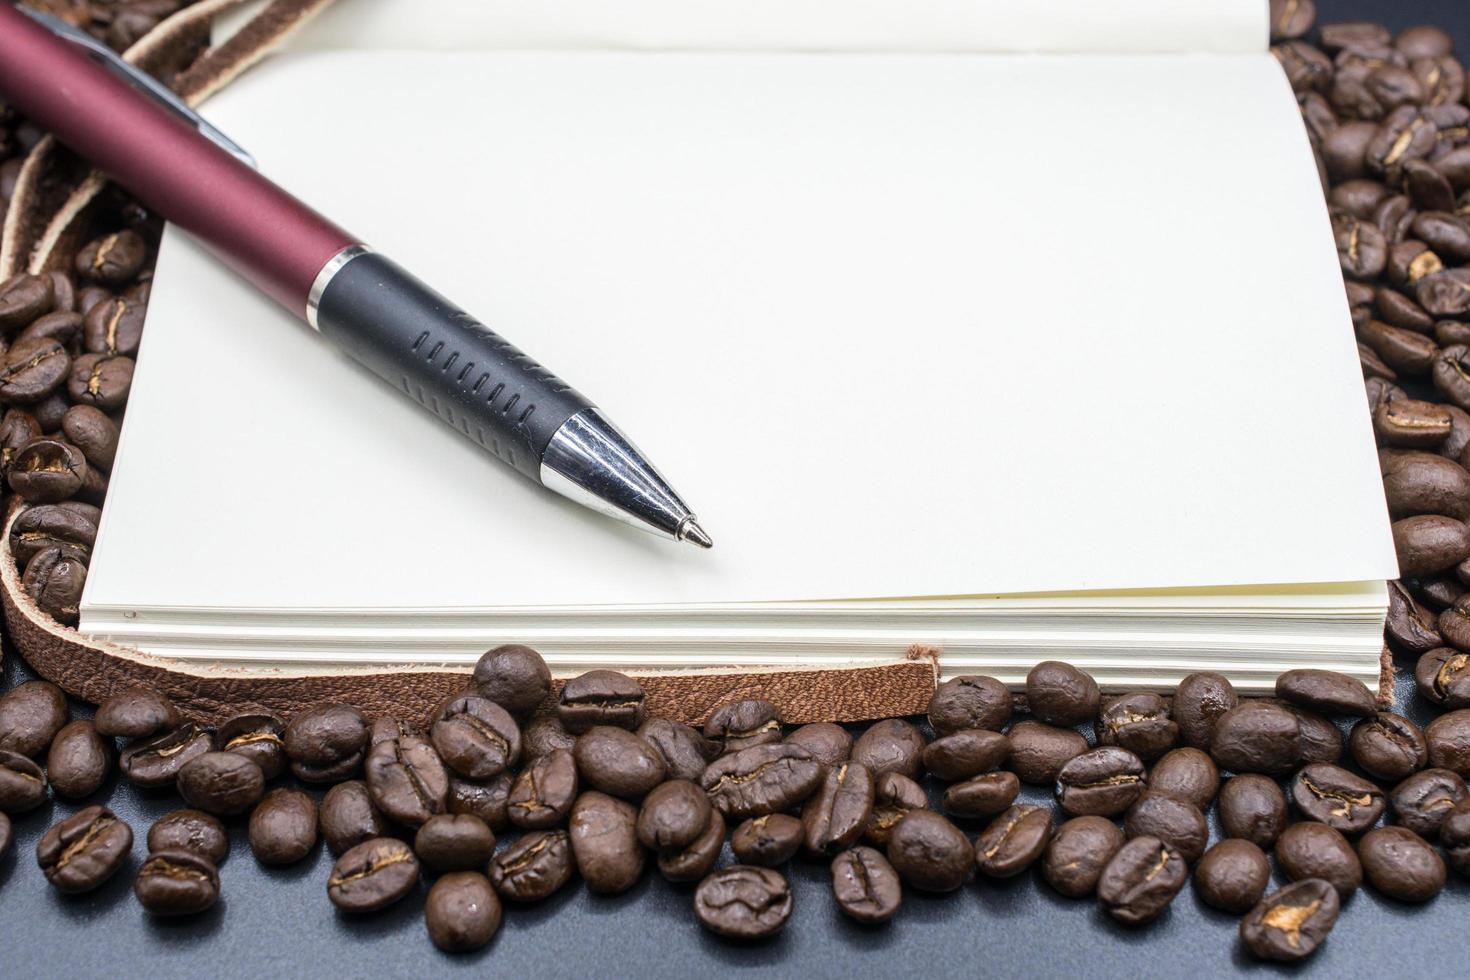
[1388,746]
[1077,854]
[48,526]
[741,902]
[1138,722]
[760,780]
[32,370]
[176,882]
[1291,923]
[836,814]
[476,737]
[373,875]
[114,326]
[326,742]
[865,886]
[1336,797]
[55,582]
[81,852]
[542,794]
[46,471]
[1013,841]
[406,779]
[1409,423]
[1446,294]
[695,861]
[894,795]
[600,697]
[1362,249]
[1443,676]
[743,724]
[101,380]
[1141,880]
[259,736]
[533,867]
[767,841]
[1422,801]
[1101,782]
[17,428]
[112,259]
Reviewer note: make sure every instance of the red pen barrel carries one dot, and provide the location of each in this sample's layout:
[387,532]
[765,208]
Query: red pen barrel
[261,231]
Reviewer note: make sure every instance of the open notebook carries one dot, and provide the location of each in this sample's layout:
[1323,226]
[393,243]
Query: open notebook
[1015,330]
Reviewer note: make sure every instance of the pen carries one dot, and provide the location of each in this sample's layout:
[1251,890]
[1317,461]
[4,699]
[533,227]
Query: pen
[430,350]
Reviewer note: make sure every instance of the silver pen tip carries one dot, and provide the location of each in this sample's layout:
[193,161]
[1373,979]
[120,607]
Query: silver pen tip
[691,531]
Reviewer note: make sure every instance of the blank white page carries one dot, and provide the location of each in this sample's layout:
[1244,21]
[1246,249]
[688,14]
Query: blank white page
[894,325]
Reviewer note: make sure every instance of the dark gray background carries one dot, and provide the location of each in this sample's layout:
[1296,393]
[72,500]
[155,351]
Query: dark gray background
[278,922]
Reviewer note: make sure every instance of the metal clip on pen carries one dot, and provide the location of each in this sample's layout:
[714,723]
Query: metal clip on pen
[148,140]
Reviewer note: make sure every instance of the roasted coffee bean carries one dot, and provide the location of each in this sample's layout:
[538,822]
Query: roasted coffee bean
[514,677]
[17,427]
[1423,483]
[1101,782]
[1180,825]
[114,259]
[1321,741]
[1258,736]
[542,795]
[1078,853]
[326,742]
[407,780]
[283,827]
[742,902]
[1345,149]
[1252,807]
[1443,676]
[965,753]
[1290,923]
[1388,746]
[767,841]
[1362,249]
[1336,797]
[1314,850]
[190,830]
[102,380]
[1448,738]
[1038,751]
[373,875]
[1139,723]
[892,745]
[1290,19]
[605,842]
[1398,310]
[600,697]
[545,733]
[1358,197]
[1447,294]
[696,860]
[1013,841]
[93,433]
[31,713]
[488,800]
[62,326]
[673,816]
[348,817]
[155,762]
[838,812]
[685,752]
[89,296]
[114,326]
[136,712]
[258,737]
[982,796]
[23,298]
[743,725]
[1454,623]
[975,701]
[1232,876]
[1141,880]
[50,526]
[929,852]
[55,582]
[1060,694]
[1305,67]
[384,729]
[1186,774]
[476,737]
[454,842]
[78,761]
[1326,691]
[462,912]
[45,471]
[176,882]
[84,850]
[765,779]
[534,866]
[1401,864]
[221,783]
[1410,261]
[865,886]
[1454,837]
[829,744]
[1426,543]
[33,369]
[618,762]
[1422,801]
[894,796]
[22,783]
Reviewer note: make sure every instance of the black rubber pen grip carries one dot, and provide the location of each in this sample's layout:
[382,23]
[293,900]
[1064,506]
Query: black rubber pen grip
[446,360]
